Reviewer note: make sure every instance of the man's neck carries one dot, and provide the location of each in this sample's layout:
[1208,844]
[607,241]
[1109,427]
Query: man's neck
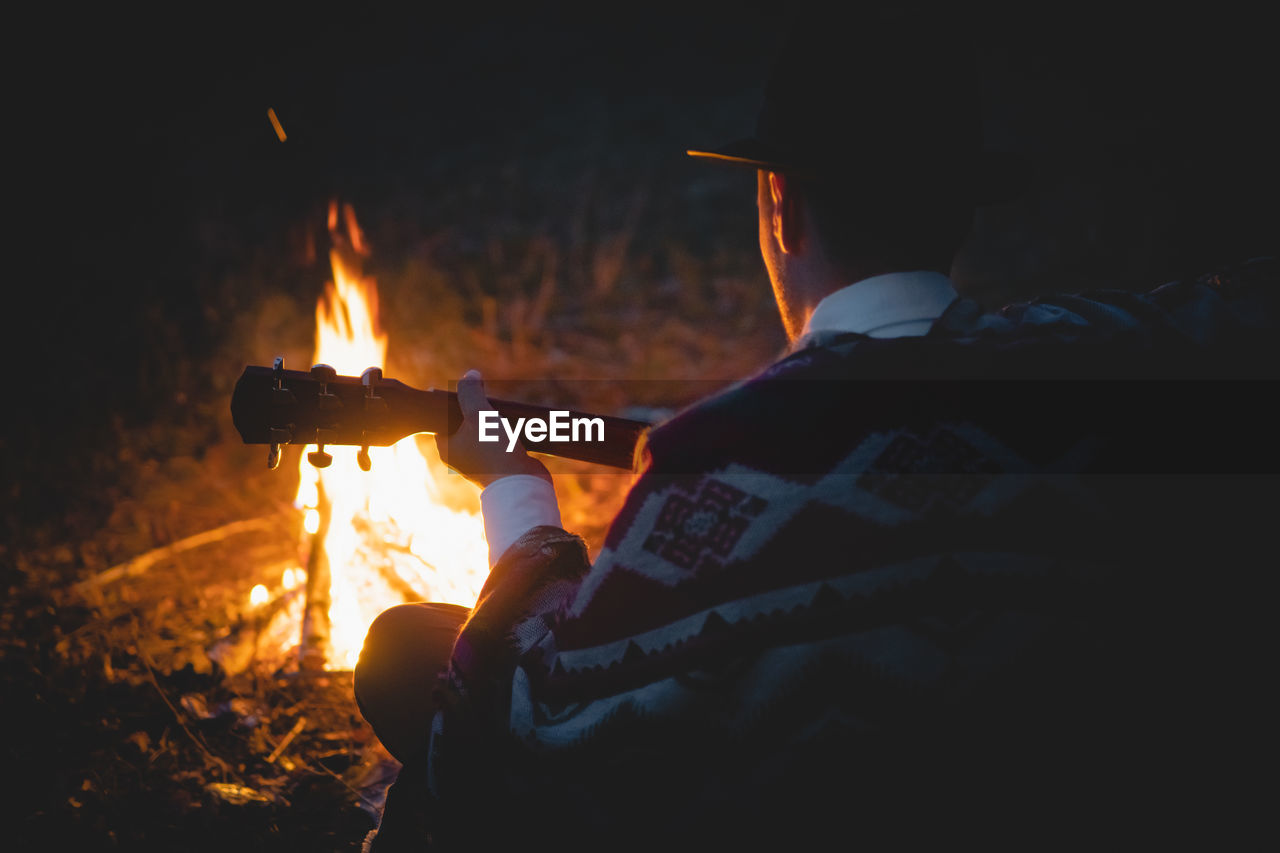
[809,285]
[893,304]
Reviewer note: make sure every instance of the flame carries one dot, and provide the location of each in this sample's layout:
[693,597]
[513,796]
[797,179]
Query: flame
[390,530]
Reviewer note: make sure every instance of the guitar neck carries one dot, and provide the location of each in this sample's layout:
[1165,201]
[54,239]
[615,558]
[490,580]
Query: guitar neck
[275,406]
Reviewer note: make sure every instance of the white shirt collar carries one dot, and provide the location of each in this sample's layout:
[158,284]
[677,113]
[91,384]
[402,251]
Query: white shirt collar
[895,304]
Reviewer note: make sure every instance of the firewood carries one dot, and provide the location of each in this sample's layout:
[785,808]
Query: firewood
[143,562]
[287,739]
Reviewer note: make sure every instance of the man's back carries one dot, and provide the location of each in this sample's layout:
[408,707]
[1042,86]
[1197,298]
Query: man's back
[834,601]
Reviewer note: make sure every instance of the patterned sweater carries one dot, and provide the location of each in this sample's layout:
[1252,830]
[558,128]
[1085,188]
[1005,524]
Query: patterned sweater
[885,584]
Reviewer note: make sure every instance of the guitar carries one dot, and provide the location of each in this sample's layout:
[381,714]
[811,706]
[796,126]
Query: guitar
[274,406]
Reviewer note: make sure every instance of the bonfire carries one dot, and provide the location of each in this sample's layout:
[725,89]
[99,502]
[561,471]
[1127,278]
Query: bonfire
[379,537]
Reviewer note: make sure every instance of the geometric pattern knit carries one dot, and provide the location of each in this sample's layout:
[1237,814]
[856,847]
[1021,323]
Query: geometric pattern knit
[889,584]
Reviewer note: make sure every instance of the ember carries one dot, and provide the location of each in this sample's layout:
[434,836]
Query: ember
[275,123]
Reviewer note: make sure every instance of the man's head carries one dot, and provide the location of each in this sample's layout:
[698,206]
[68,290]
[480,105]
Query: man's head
[868,147]
[818,236]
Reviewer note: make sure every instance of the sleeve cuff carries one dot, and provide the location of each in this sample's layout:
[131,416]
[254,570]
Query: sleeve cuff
[514,505]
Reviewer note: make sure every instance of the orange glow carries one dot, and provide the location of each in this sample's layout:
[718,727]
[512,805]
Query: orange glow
[392,522]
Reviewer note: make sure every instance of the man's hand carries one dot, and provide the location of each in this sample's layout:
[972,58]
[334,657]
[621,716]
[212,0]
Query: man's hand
[482,463]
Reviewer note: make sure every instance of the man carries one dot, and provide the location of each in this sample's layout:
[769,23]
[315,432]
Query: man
[830,603]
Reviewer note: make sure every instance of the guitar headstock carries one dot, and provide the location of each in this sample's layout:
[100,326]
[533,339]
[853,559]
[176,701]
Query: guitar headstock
[274,406]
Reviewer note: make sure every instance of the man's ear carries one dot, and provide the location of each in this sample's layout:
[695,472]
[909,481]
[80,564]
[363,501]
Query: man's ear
[788,213]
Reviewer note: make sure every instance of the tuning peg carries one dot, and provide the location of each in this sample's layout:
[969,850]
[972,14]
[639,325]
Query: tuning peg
[324,374]
[370,379]
[280,395]
[279,436]
[318,457]
[362,455]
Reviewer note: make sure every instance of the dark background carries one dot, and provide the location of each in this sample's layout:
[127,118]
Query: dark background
[160,237]
[155,209]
